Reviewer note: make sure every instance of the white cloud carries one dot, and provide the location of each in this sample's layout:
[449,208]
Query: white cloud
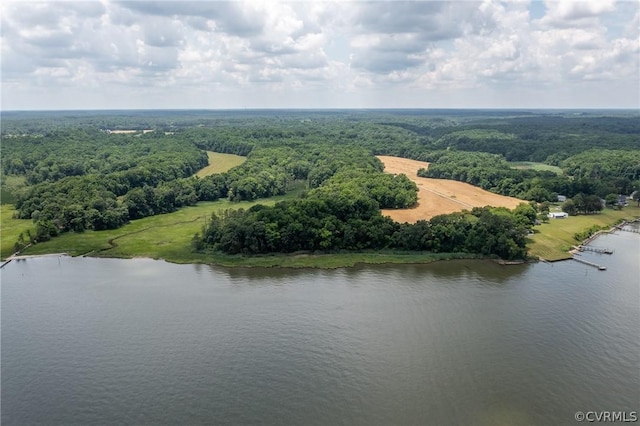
[108,54]
[576,12]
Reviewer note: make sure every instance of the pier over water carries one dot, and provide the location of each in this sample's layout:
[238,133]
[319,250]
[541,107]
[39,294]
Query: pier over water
[596,249]
[586,262]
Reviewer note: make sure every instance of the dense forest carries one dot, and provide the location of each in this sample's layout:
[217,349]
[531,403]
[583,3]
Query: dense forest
[74,171]
[346,222]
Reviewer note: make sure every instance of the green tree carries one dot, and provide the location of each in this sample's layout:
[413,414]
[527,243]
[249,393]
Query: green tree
[569,207]
[543,211]
[611,200]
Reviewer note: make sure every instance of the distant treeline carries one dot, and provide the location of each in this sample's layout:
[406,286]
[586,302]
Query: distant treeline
[543,137]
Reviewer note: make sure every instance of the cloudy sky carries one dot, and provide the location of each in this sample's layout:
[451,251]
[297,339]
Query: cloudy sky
[106,54]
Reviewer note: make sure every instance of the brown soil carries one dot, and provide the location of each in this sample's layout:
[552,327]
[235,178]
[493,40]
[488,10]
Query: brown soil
[439,196]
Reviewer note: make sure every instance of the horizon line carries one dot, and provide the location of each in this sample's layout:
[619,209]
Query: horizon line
[337,109]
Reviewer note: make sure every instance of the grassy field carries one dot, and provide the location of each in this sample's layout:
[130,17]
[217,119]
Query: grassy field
[166,236]
[553,240]
[9,187]
[220,163]
[163,236]
[530,165]
[10,228]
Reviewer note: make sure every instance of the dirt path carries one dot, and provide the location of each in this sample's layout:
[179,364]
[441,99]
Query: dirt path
[439,196]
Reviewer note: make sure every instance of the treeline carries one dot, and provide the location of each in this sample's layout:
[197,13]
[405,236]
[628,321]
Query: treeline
[129,159]
[325,224]
[388,191]
[78,180]
[583,204]
[144,175]
[78,204]
[595,172]
[490,172]
[547,137]
[269,171]
[605,164]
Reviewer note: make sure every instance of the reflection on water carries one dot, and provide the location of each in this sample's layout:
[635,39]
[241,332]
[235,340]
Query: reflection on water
[90,341]
[487,271]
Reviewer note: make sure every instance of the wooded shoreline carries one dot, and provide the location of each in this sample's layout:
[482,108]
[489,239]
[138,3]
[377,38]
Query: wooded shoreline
[313,182]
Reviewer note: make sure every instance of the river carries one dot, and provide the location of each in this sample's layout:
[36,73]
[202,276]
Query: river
[108,341]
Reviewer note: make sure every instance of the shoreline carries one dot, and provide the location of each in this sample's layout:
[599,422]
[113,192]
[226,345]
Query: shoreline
[28,256]
[326,260]
[596,234]
[554,242]
[303,261]
[576,250]
[281,260]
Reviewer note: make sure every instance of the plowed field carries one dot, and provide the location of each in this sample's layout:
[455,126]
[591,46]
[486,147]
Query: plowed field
[439,196]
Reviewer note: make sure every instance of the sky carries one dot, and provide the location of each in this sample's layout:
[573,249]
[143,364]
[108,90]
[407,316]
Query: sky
[107,54]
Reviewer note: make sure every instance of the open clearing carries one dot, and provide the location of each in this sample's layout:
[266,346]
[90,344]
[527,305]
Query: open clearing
[128,132]
[439,196]
[11,228]
[530,165]
[220,163]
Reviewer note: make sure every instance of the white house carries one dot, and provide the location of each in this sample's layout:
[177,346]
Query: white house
[558,215]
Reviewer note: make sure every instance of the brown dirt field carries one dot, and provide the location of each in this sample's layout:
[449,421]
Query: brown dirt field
[439,196]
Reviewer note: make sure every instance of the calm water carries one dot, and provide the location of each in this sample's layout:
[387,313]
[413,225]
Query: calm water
[104,341]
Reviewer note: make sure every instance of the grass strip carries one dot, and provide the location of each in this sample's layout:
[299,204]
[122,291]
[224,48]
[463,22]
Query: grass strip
[11,228]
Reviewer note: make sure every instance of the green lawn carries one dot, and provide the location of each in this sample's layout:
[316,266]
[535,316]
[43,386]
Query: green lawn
[220,163]
[553,240]
[167,236]
[9,186]
[530,165]
[10,228]
[164,236]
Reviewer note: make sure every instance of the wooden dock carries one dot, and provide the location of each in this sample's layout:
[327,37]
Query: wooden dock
[586,262]
[636,231]
[624,226]
[596,249]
